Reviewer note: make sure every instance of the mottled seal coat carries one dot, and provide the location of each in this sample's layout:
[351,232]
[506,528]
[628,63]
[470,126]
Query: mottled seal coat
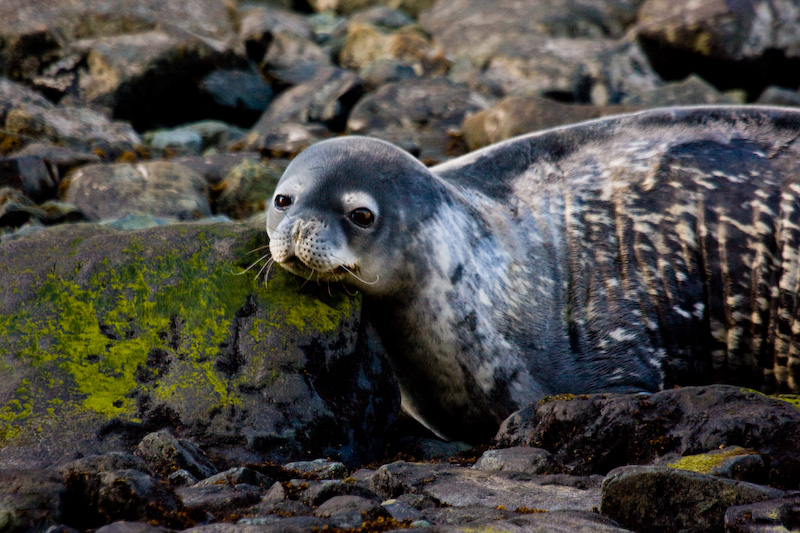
[628,253]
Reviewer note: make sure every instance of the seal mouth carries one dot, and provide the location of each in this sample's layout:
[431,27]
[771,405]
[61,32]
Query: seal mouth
[298,267]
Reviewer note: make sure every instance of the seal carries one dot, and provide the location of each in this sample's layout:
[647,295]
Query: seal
[629,253]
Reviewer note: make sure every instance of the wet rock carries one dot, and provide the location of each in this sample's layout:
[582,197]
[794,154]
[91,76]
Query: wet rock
[418,113]
[159,188]
[461,487]
[75,127]
[616,430]
[237,476]
[30,500]
[517,115]
[665,499]
[304,113]
[97,498]
[694,90]
[166,454]
[517,459]
[217,501]
[225,374]
[349,512]
[774,95]
[322,468]
[771,515]
[132,527]
[750,44]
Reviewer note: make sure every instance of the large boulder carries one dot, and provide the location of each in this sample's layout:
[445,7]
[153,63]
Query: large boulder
[108,335]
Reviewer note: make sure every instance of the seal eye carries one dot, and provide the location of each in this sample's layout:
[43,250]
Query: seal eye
[282,202]
[361,216]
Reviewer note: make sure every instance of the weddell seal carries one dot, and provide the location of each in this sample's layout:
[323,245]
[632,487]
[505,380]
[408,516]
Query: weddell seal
[629,253]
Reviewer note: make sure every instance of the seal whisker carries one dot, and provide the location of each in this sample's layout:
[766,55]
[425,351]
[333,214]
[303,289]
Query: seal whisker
[267,266]
[377,277]
[346,289]
[254,250]
[257,261]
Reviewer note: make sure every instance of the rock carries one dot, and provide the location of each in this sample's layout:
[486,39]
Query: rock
[237,96]
[366,44]
[400,510]
[413,7]
[61,158]
[517,115]
[615,429]
[107,462]
[17,209]
[165,454]
[288,49]
[383,17]
[215,502]
[383,71]
[348,512]
[254,373]
[237,476]
[665,499]
[322,468]
[37,178]
[159,188]
[750,44]
[315,493]
[78,128]
[733,462]
[215,167]
[30,500]
[418,113]
[774,95]
[259,23]
[292,524]
[517,459]
[551,522]
[305,113]
[246,187]
[766,516]
[694,90]
[98,498]
[461,487]
[176,141]
[131,527]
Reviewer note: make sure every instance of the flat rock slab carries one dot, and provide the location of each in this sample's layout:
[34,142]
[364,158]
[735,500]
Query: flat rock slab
[460,487]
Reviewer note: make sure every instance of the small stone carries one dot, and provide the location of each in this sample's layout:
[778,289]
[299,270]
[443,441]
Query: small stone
[774,95]
[178,140]
[693,90]
[318,492]
[238,95]
[166,454]
[236,476]
[764,517]
[218,500]
[349,512]
[400,510]
[181,478]
[322,468]
[246,187]
[131,527]
[38,178]
[17,209]
[516,459]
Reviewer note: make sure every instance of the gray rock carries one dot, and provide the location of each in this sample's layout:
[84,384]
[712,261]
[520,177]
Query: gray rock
[366,44]
[771,516]
[615,429]
[694,90]
[292,524]
[37,178]
[30,500]
[180,141]
[516,459]
[160,188]
[383,17]
[322,468]
[131,527]
[238,96]
[218,501]
[303,113]
[383,71]
[665,499]
[733,462]
[237,476]
[400,510]
[13,94]
[551,522]
[166,454]
[215,167]
[462,487]
[418,112]
[246,187]
[774,95]
[61,158]
[315,493]
[216,135]
[17,209]
[107,462]
[288,48]
[348,512]
[258,24]
[181,478]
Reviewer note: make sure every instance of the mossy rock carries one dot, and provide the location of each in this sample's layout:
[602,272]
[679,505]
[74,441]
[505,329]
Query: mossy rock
[106,335]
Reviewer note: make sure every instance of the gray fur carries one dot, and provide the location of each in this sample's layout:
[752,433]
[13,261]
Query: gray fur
[628,253]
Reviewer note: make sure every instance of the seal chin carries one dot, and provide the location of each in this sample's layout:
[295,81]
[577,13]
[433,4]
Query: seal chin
[296,266]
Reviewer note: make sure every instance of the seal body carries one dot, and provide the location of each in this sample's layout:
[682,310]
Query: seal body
[629,253]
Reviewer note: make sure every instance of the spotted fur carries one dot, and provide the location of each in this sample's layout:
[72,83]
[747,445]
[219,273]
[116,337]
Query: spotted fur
[629,253]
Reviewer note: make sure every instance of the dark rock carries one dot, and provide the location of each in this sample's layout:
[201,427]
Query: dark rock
[62,158]
[181,478]
[218,501]
[246,187]
[237,476]
[107,462]
[349,512]
[30,500]
[749,44]
[214,167]
[366,44]
[287,49]
[383,71]
[179,141]
[412,7]
[34,176]
[400,510]
[774,95]
[421,112]
[132,527]
[462,487]
[292,524]
[551,522]
[733,462]
[665,499]
[166,454]
[383,17]
[694,90]
[764,517]
[595,433]
[259,23]
[97,498]
[13,94]
[517,115]
[315,493]
[321,468]
[424,448]
[56,212]
[160,188]
[237,96]
[17,209]
[517,459]
[306,112]
[256,373]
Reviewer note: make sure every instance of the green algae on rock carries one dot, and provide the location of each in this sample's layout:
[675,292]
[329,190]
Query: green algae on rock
[107,334]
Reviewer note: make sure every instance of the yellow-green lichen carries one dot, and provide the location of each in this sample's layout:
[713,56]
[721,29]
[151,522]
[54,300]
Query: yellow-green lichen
[704,463]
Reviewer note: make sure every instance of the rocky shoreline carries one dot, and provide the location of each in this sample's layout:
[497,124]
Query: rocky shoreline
[152,380]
